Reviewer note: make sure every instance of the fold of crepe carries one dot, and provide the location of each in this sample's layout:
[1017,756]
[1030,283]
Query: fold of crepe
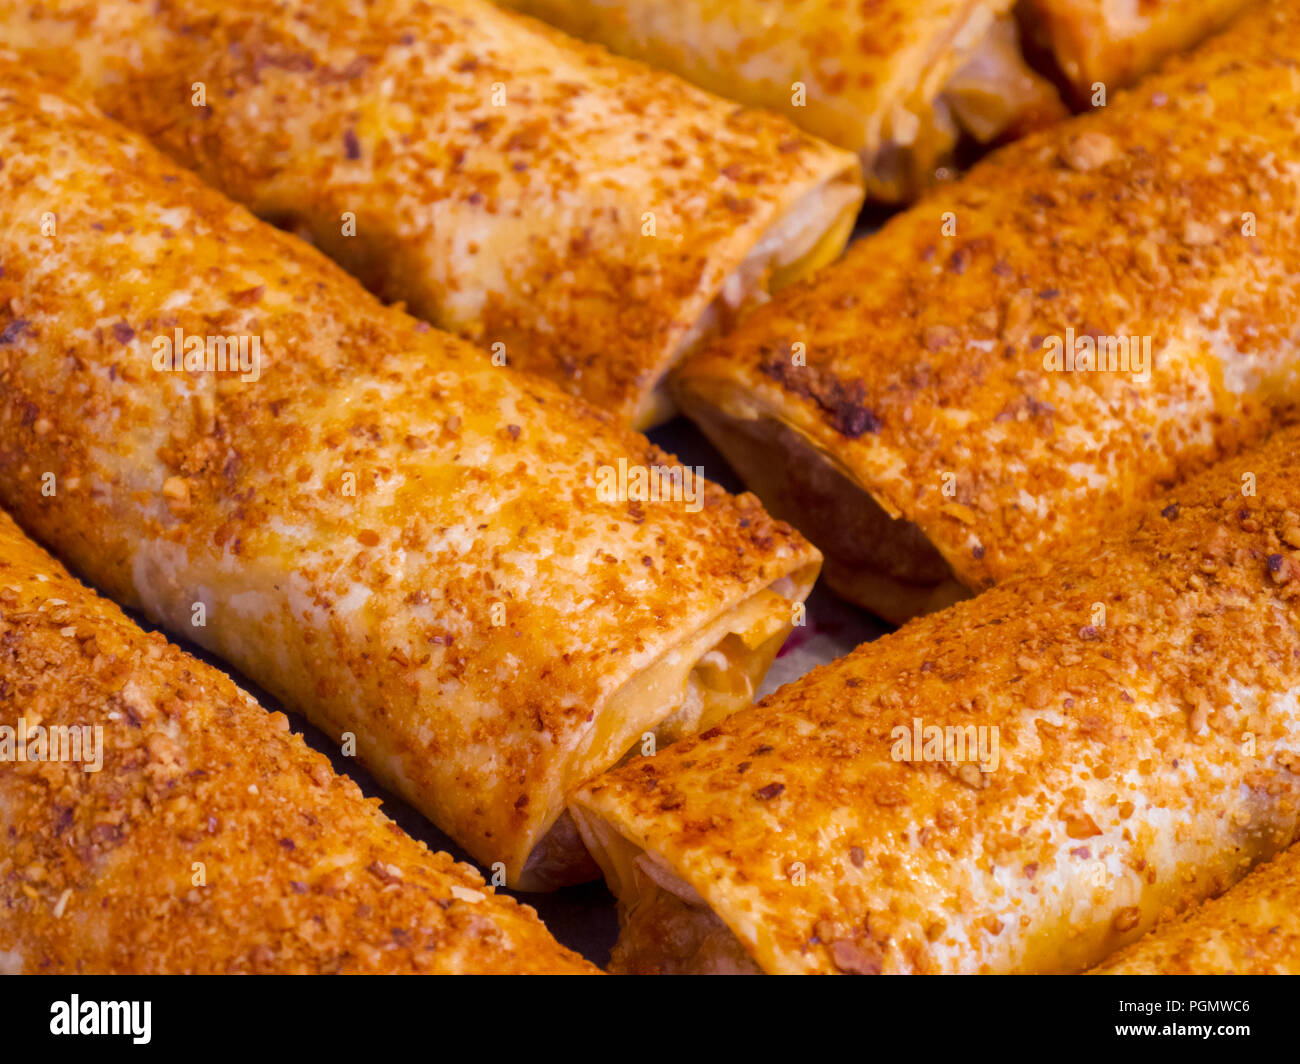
[932,412]
[454,564]
[583,216]
[1253,929]
[1102,43]
[903,83]
[158,821]
[1022,783]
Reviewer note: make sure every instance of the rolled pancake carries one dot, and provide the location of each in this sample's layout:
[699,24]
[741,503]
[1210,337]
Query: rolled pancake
[190,832]
[1024,782]
[584,217]
[390,534]
[1005,371]
[1254,929]
[1109,43]
[903,83]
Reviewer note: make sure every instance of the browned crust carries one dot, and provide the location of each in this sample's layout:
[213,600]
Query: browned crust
[469,610]
[301,873]
[1253,929]
[1096,42]
[925,353]
[1149,752]
[907,84]
[521,224]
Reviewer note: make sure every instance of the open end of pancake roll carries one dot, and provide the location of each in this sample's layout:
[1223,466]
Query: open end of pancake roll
[803,239]
[908,85]
[704,679]
[983,94]
[872,557]
[665,926]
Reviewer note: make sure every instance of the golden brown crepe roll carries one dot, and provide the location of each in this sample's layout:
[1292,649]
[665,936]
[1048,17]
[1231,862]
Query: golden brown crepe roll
[1022,783]
[1006,370]
[1101,42]
[594,217]
[498,591]
[1254,929]
[156,820]
[902,83]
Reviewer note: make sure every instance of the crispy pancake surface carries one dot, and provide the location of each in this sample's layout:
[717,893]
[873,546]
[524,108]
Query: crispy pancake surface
[206,838]
[386,531]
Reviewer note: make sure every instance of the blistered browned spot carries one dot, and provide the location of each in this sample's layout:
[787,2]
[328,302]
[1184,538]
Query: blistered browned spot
[841,402]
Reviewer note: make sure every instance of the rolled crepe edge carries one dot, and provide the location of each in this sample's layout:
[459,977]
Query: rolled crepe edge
[615,845]
[831,201]
[733,419]
[750,619]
